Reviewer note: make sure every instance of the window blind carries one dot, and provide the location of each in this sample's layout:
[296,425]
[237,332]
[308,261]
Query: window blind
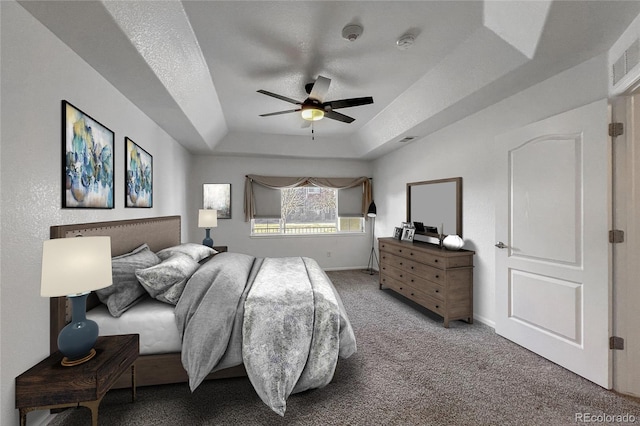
[267,202]
[350,202]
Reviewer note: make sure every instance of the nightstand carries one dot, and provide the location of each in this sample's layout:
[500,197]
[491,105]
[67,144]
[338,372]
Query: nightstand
[49,385]
[220,249]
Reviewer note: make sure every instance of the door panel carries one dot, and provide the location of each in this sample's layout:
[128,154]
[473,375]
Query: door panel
[552,280]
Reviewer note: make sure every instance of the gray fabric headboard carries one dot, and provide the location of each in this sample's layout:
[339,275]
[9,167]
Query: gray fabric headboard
[126,235]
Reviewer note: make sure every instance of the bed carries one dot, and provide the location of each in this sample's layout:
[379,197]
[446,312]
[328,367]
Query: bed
[227,295]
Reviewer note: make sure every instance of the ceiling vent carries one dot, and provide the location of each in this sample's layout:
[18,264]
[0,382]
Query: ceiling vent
[626,62]
[407,139]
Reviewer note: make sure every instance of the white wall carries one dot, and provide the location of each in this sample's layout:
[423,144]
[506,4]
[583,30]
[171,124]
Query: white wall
[38,71]
[346,250]
[467,149]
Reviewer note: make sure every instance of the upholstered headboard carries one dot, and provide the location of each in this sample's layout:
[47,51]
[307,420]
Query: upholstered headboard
[126,235]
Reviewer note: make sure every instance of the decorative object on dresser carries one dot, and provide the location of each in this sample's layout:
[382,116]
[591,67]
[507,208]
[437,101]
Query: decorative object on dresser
[207,219]
[47,386]
[452,242]
[372,212]
[74,267]
[87,161]
[138,175]
[438,279]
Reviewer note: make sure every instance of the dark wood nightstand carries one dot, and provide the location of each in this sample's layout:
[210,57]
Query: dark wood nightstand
[219,249]
[49,385]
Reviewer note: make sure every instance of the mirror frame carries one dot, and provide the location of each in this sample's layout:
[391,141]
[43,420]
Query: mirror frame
[458,182]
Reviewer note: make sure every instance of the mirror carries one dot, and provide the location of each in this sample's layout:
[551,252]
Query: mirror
[435,204]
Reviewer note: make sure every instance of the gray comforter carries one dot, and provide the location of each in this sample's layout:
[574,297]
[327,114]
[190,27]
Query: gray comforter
[281,317]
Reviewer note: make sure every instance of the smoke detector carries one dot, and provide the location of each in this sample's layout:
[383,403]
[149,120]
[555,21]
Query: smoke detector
[406,41]
[351,32]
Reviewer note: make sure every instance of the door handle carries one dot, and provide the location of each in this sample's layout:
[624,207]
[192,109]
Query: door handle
[501,245]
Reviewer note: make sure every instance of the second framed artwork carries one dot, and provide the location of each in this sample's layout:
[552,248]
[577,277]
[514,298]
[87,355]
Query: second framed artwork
[217,196]
[138,176]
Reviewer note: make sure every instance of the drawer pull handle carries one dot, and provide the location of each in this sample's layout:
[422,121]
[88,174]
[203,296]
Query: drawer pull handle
[400,263]
[437,276]
[412,294]
[435,260]
[437,291]
[412,267]
[412,280]
[400,288]
[411,254]
[400,275]
[437,306]
[400,251]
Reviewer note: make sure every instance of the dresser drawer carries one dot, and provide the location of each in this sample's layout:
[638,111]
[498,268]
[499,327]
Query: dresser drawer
[408,291]
[409,252]
[424,271]
[426,287]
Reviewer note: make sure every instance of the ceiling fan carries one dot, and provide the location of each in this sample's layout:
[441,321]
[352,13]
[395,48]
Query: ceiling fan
[314,107]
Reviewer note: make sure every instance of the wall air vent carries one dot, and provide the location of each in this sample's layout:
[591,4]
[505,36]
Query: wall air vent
[626,62]
[407,139]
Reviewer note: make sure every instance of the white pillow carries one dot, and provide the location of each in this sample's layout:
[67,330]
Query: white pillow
[195,251]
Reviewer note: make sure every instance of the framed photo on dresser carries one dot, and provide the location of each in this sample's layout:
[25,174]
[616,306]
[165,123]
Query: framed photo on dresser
[408,233]
[397,233]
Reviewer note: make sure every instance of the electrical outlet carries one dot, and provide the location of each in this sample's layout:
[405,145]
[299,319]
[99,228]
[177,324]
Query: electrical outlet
[328,254]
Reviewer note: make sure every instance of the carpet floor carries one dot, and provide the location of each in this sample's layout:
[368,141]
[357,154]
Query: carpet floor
[409,370]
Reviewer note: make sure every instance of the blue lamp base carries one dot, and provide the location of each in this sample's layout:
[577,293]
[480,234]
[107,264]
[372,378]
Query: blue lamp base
[207,239]
[77,339]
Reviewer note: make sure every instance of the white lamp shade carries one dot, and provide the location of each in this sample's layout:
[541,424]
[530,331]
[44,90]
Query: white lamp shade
[73,266]
[207,218]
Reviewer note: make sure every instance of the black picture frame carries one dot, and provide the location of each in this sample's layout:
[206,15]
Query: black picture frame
[87,161]
[397,233]
[138,176]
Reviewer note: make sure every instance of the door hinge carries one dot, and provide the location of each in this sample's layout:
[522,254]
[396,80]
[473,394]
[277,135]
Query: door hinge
[616,236]
[616,129]
[616,343]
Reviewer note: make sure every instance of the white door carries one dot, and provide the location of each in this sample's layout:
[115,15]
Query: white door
[626,268]
[552,278]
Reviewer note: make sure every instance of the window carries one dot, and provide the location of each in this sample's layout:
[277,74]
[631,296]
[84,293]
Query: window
[311,210]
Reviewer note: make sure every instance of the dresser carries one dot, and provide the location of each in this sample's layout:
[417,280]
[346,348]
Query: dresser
[436,278]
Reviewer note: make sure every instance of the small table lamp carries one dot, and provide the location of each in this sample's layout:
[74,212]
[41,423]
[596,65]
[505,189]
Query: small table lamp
[207,219]
[73,267]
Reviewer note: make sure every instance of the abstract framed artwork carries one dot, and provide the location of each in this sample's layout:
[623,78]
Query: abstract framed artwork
[138,177]
[217,196]
[87,161]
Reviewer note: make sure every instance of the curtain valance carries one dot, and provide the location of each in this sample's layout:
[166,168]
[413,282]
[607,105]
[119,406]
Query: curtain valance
[279,182]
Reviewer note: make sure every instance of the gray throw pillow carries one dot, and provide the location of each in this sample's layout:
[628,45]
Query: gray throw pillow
[195,251]
[166,281]
[126,291]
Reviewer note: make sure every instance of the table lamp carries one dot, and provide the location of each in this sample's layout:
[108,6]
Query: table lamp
[207,219]
[73,267]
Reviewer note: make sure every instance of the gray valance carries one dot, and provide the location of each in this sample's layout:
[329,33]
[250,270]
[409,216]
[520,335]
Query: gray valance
[278,182]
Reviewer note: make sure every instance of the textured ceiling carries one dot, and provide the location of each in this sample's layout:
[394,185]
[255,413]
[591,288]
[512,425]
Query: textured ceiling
[195,66]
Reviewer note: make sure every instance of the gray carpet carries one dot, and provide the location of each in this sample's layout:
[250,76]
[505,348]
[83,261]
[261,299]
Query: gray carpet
[408,370]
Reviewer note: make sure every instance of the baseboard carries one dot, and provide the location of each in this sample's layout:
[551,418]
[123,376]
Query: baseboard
[348,268]
[484,320]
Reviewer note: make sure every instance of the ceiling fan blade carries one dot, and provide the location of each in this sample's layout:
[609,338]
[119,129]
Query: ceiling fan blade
[283,98]
[320,88]
[346,103]
[337,116]
[279,112]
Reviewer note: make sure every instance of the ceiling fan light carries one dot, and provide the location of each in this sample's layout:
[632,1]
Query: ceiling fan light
[312,114]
